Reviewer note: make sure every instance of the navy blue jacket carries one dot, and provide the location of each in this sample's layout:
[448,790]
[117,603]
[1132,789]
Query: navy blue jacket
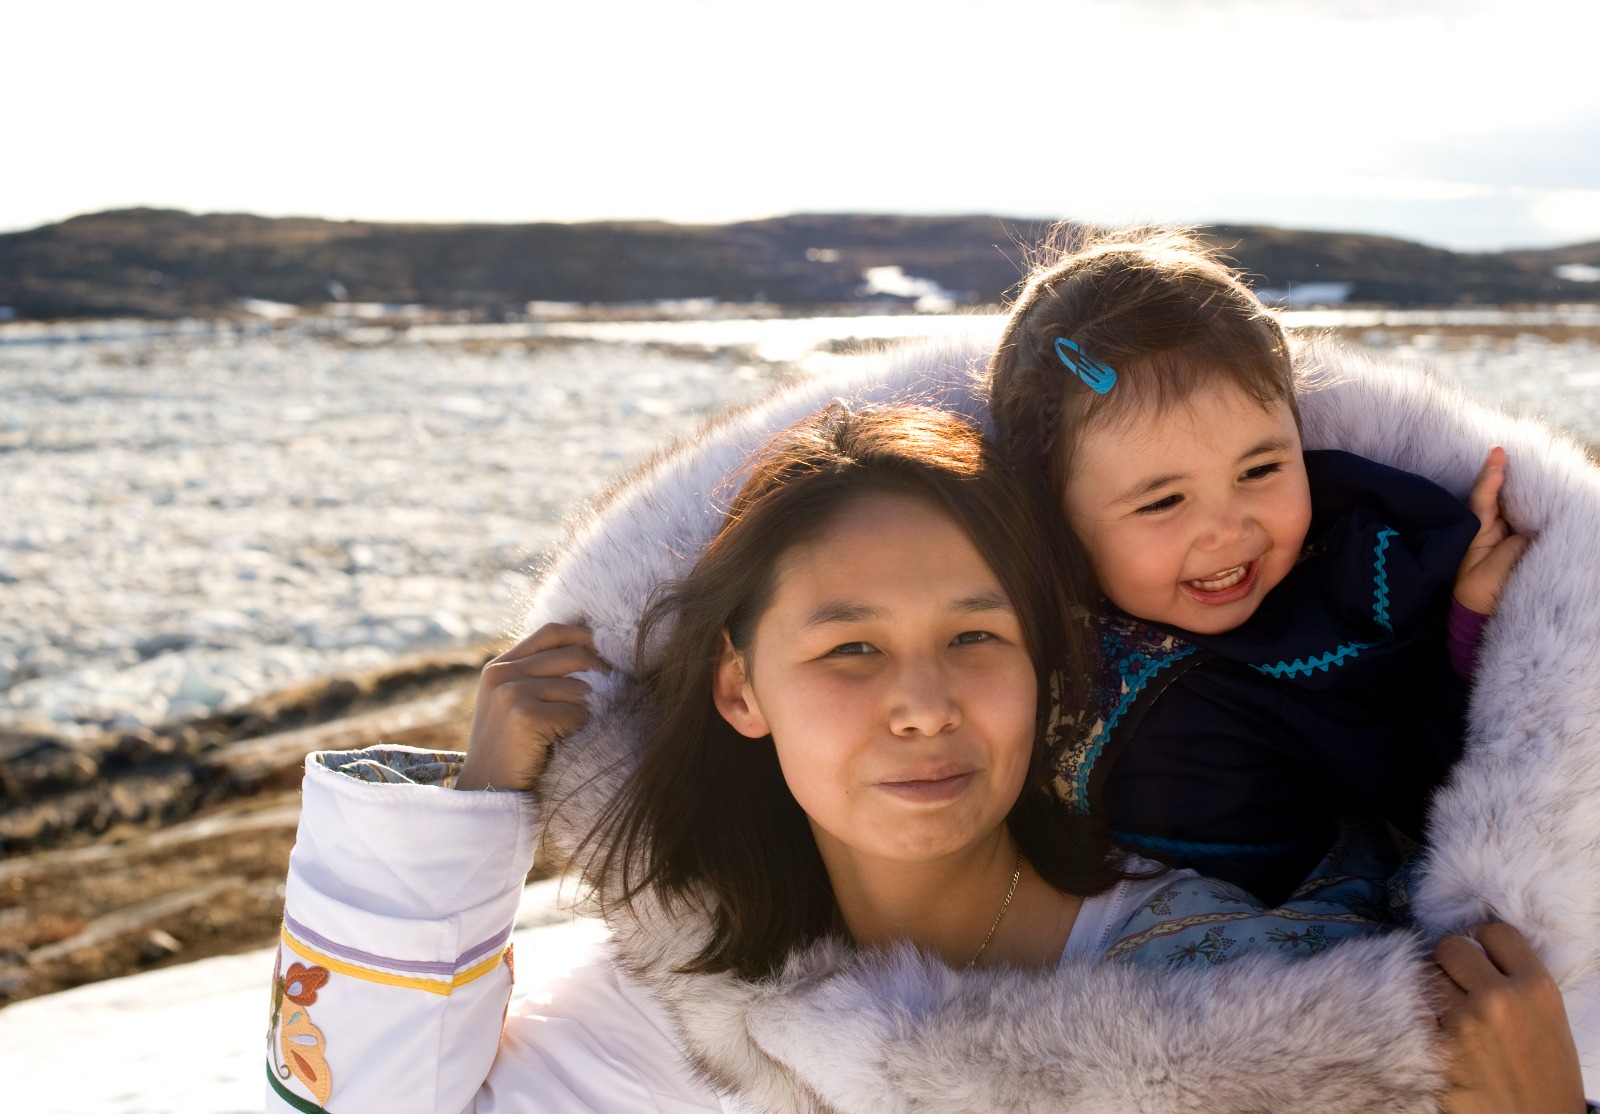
[1238,753]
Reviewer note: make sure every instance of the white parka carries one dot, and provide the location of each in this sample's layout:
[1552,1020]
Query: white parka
[404,893]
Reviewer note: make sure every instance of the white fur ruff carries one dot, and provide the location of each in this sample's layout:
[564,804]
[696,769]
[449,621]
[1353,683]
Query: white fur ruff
[1516,832]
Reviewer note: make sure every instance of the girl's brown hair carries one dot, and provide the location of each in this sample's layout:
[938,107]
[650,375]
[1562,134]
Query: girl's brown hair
[706,817]
[1160,307]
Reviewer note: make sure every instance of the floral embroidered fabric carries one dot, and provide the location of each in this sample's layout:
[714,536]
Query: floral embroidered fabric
[1198,920]
[394,766]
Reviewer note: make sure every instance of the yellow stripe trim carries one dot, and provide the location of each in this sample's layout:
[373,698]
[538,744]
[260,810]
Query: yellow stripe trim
[432,986]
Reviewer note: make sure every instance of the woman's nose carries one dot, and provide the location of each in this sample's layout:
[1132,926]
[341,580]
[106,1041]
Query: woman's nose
[922,702]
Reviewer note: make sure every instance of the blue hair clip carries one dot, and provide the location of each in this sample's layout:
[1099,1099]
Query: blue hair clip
[1097,375]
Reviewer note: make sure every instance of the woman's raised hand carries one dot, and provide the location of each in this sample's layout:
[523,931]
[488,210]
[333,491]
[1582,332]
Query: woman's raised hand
[1510,1046]
[527,699]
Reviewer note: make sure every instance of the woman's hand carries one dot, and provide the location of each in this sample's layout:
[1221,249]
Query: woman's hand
[527,700]
[1496,549]
[1509,1041]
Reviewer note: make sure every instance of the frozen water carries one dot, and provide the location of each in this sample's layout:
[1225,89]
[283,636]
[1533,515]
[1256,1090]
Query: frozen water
[193,514]
[188,521]
[192,1038]
[1528,375]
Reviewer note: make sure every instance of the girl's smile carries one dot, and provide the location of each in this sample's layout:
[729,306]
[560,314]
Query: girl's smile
[1227,586]
[1191,515]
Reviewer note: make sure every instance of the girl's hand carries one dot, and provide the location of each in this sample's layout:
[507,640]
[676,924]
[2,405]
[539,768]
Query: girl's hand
[1496,550]
[526,700]
[1509,1041]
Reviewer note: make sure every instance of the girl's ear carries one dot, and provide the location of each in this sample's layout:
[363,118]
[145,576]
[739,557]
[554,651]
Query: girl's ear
[731,692]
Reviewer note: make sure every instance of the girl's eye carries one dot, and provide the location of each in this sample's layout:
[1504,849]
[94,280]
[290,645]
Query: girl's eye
[1160,505]
[852,649]
[1261,471]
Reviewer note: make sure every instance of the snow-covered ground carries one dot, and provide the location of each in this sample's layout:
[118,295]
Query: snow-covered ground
[193,515]
[192,1039]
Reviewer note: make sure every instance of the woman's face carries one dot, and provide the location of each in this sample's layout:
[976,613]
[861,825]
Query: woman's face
[891,672]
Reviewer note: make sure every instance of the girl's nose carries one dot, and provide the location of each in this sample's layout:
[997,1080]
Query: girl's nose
[1229,525]
[922,703]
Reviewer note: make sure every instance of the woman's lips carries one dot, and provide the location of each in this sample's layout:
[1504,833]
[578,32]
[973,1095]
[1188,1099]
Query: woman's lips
[929,790]
[1225,585]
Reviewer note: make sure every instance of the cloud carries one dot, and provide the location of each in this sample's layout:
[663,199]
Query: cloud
[1552,155]
[1571,215]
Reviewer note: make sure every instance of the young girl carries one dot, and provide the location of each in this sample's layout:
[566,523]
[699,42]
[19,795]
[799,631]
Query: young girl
[1273,635]
[838,744]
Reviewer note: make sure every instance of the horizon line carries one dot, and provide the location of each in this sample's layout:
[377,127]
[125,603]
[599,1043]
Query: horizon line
[853,213]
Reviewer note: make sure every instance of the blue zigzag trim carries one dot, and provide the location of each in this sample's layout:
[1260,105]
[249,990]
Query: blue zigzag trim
[1136,685]
[1380,578]
[1380,614]
[1308,666]
[1192,849]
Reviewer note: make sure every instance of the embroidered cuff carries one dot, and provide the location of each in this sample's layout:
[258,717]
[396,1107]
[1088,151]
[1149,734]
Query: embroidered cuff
[404,849]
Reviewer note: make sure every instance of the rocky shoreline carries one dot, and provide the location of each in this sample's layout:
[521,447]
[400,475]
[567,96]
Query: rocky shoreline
[169,264]
[151,848]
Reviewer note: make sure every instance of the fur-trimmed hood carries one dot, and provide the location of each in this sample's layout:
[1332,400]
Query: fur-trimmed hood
[1515,834]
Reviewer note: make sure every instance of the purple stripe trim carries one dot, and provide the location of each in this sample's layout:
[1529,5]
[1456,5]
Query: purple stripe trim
[413,966]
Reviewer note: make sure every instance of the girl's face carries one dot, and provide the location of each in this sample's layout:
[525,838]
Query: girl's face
[1192,515]
[891,672]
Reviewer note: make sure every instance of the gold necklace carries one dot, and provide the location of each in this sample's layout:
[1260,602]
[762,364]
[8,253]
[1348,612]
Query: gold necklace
[1011,892]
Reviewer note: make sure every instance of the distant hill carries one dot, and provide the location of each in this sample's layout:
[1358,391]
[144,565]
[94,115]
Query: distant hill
[165,263]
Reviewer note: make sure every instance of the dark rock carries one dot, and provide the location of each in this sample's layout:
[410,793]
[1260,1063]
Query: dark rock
[91,812]
[13,982]
[137,748]
[336,696]
[14,744]
[185,740]
[52,766]
[29,826]
[130,800]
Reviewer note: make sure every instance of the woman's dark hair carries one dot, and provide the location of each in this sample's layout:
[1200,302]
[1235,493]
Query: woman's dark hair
[706,817]
[1157,305]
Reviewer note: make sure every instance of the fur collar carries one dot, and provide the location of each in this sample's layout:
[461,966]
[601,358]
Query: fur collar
[1516,833]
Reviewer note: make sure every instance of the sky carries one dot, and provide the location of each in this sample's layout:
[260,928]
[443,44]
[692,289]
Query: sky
[1468,124]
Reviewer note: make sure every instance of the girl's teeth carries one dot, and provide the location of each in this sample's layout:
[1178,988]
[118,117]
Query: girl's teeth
[1227,578]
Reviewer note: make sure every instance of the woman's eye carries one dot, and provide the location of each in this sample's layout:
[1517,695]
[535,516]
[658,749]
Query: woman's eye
[972,638]
[852,649]
[1160,505]
[1261,471]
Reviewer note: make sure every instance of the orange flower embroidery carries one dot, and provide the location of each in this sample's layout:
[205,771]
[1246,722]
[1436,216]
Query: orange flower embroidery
[303,1053]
